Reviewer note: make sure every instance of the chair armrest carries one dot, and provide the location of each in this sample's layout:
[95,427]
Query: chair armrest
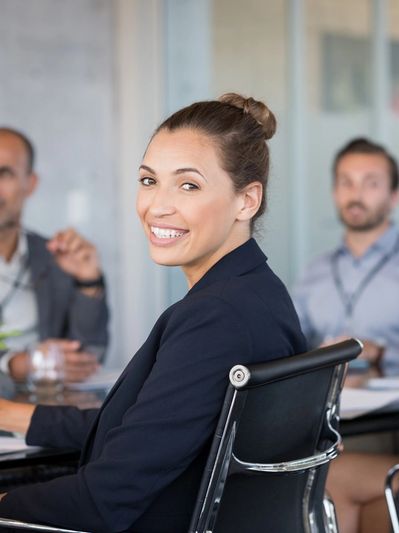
[296,465]
[305,463]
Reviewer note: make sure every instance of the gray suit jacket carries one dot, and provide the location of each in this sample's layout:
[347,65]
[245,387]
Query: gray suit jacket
[64,312]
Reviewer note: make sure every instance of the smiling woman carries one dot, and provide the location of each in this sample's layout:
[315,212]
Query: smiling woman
[202,185]
[192,214]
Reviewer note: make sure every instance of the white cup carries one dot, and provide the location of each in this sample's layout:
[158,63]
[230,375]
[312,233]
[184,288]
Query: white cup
[46,370]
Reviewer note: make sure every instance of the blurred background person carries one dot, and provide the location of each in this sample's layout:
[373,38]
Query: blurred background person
[50,290]
[352,290]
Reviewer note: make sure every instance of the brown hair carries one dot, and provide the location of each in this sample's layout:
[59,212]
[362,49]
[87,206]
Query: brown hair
[361,145]
[240,126]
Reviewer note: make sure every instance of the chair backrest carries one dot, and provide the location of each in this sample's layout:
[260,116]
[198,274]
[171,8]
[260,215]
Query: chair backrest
[276,434]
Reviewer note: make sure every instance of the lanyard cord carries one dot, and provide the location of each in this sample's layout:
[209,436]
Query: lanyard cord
[16,284]
[349,301]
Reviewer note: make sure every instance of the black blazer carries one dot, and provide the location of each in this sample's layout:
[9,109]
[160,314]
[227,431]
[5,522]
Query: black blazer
[142,457]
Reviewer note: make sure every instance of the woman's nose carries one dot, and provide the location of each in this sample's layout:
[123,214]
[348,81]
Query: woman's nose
[162,204]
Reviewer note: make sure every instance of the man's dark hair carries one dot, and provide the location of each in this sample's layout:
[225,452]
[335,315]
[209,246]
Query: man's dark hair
[29,149]
[361,145]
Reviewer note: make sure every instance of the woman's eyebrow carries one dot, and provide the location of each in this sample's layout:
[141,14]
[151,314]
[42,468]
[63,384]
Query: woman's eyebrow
[190,169]
[148,169]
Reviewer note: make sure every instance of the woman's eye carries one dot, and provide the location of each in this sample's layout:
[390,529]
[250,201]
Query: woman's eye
[189,186]
[147,181]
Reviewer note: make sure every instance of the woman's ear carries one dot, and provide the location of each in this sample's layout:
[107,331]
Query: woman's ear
[251,197]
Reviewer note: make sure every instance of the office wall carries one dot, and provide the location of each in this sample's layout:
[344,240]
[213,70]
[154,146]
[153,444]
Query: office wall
[57,85]
[328,69]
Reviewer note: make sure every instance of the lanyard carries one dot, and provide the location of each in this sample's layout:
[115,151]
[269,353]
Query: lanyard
[15,285]
[348,300]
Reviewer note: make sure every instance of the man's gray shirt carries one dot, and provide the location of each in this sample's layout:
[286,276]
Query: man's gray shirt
[357,296]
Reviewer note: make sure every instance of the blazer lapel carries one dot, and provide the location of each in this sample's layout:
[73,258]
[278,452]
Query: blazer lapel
[39,266]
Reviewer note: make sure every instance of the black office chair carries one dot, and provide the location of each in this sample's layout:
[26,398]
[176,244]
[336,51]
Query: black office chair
[269,458]
[391,498]
[275,437]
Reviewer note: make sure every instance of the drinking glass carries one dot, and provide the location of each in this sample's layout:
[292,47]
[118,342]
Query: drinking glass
[46,370]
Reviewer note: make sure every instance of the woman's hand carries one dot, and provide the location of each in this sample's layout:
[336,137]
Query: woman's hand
[15,416]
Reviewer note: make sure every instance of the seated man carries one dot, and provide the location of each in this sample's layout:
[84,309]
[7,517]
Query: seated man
[49,290]
[352,290]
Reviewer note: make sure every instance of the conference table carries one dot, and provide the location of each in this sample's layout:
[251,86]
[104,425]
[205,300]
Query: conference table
[369,380]
[28,464]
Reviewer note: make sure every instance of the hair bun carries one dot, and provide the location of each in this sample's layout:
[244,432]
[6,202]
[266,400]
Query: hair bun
[258,110]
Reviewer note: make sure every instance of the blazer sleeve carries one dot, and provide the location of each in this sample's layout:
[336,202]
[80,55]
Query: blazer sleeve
[60,426]
[160,435]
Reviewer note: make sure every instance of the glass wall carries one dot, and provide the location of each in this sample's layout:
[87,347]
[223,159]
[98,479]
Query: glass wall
[56,73]
[319,64]
[393,105]
[250,56]
[339,101]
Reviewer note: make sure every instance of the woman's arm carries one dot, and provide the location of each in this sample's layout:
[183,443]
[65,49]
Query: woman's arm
[50,426]
[160,434]
[15,416]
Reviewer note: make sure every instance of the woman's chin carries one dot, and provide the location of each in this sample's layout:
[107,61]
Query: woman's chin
[165,259]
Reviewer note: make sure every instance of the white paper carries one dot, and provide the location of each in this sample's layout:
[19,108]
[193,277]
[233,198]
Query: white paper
[357,402]
[383,384]
[103,379]
[15,444]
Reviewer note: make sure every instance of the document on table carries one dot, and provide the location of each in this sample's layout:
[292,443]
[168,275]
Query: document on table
[15,444]
[357,402]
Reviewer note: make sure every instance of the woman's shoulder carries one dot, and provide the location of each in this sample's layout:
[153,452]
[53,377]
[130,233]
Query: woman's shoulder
[249,297]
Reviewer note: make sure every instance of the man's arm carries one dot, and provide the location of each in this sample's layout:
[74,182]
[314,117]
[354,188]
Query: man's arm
[88,313]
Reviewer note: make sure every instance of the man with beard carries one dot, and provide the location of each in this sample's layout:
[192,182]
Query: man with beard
[353,290]
[51,291]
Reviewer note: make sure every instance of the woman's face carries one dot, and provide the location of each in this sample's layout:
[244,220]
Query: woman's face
[187,204]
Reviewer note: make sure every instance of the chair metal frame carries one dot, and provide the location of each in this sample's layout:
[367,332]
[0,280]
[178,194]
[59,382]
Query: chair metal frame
[329,515]
[28,526]
[225,461]
[390,498]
